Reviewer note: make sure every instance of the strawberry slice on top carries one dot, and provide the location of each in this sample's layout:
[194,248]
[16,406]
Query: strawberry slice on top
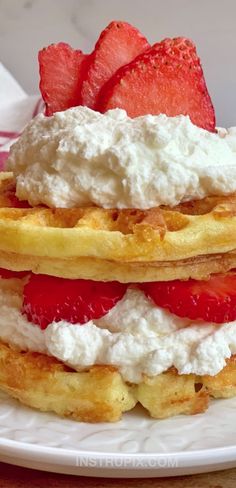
[48,299]
[69,78]
[167,78]
[213,300]
[61,73]
[117,45]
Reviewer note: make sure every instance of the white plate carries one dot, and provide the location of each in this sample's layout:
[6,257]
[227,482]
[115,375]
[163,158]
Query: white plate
[137,446]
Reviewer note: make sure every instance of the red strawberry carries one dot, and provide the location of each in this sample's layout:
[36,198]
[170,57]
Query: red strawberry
[213,300]
[9,200]
[117,45]
[14,202]
[168,79]
[7,274]
[61,73]
[48,299]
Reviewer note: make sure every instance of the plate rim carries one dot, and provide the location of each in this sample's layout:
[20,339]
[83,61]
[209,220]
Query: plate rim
[197,458]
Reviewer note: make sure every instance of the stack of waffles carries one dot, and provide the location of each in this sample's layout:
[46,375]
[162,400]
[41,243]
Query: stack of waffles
[102,305]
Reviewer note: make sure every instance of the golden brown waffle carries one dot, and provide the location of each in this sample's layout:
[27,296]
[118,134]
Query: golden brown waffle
[100,394]
[193,239]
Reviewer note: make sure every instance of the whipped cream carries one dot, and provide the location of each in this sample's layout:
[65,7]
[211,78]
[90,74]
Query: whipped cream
[81,157]
[136,336]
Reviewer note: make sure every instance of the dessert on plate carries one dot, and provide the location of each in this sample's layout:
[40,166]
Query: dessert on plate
[118,236]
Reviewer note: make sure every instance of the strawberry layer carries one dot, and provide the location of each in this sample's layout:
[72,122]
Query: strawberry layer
[136,336]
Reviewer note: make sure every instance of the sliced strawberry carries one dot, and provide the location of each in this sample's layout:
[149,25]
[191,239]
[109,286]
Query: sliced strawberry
[61,72]
[14,202]
[168,79]
[213,300]
[7,274]
[8,199]
[117,45]
[48,299]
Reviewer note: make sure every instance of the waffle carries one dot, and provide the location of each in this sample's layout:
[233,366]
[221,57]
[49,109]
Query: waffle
[100,394]
[194,239]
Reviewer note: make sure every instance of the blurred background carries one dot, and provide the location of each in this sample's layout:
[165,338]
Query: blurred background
[28,25]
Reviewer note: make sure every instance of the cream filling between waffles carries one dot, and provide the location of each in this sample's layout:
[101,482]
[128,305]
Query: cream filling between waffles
[136,336]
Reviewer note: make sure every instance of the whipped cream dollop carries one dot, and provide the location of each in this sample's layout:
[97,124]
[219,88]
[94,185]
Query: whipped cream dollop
[80,157]
[136,336]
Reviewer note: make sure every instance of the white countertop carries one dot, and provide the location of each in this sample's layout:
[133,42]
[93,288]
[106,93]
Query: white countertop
[28,25]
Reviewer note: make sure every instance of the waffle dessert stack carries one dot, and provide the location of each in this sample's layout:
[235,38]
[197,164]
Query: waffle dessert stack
[118,236]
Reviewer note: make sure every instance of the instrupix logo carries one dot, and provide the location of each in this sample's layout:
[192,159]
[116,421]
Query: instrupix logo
[127,462]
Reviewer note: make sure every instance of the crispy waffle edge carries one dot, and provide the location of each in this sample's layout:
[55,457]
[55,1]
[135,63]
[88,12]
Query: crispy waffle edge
[100,394]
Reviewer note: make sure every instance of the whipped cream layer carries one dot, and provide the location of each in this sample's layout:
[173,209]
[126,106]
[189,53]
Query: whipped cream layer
[81,157]
[136,336]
